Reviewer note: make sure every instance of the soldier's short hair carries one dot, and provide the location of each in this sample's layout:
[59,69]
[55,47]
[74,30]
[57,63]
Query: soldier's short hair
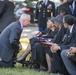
[69,19]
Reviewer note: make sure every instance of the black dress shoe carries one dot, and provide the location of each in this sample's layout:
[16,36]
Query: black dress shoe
[19,61]
[23,62]
[26,62]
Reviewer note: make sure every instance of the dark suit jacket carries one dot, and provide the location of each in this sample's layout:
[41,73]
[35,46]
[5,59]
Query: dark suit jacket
[43,12]
[60,35]
[70,40]
[57,11]
[66,6]
[9,41]
[50,33]
[6,14]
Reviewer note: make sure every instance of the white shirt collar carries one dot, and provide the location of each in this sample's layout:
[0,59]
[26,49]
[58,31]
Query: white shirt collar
[73,5]
[71,29]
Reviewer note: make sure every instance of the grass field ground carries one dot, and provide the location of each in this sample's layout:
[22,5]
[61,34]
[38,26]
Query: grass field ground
[21,71]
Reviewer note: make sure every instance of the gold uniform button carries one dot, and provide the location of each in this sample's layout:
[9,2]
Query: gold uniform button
[0,59]
[48,10]
[44,11]
[39,10]
[43,15]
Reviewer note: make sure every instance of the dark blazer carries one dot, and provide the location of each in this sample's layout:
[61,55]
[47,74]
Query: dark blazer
[66,6]
[60,35]
[9,41]
[43,12]
[57,12]
[6,14]
[70,39]
[50,33]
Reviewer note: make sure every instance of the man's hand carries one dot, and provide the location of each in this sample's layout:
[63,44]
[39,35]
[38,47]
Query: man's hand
[71,52]
[55,48]
[20,47]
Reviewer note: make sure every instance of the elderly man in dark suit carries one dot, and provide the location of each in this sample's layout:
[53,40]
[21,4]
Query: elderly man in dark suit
[44,9]
[6,13]
[9,41]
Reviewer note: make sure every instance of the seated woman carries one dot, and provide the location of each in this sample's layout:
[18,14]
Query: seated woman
[39,50]
[42,50]
[51,31]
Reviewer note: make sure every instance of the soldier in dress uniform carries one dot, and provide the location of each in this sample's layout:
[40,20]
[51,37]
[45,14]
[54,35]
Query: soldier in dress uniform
[44,9]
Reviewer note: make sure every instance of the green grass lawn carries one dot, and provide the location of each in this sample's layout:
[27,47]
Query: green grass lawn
[19,70]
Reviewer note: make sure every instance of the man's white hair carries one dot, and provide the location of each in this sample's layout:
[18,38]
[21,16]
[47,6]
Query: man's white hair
[24,17]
